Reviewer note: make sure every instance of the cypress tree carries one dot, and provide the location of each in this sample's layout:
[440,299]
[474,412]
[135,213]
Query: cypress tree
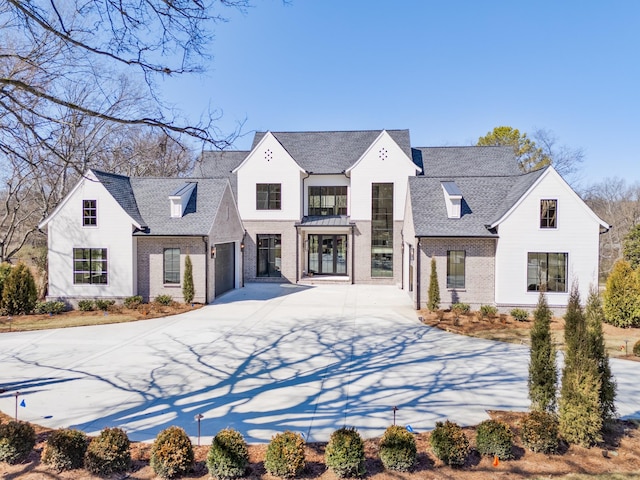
[188,290]
[595,316]
[434,288]
[19,292]
[543,374]
[621,298]
[580,421]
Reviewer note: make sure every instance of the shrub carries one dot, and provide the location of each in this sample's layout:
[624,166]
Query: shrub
[398,449]
[172,453]
[542,382]
[460,308]
[108,453]
[539,432]
[65,449]
[104,305]
[434,288]
[17,439]
[488,311]
[519,314]
[86,305]
[50,307]
[133,302]
[188,290]
[165,300]
[285,455]
[494,438]
[19,293]
[228,455]
[5,270]
[636,349]
[449,443]
[344,454]
[621,298]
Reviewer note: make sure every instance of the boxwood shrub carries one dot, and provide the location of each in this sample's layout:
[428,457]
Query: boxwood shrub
[109,453]
[285,455]
[86,305]
[449,443]
[344,453]
[165,300]
[65,449]
[539,432]
[494,438]
[17,439]
[228,455]
[519,314]
[398,449]
[51,307]
[172,453]
[133,302]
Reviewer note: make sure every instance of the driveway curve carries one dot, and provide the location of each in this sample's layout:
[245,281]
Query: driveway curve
[267,358]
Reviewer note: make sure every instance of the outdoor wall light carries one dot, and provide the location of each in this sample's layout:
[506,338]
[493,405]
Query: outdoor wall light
[242,246]
[213,252]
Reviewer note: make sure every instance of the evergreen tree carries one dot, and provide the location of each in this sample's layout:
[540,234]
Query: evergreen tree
[543,374]
[579,406]
[19,292]
[621,298]
[595,316]
[5,270]
[188,290]
[631,246]
[434,288]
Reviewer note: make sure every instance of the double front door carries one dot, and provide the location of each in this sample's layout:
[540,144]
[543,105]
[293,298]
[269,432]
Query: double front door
[328,254]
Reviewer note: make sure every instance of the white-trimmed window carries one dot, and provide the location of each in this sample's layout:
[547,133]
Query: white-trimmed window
[547,272]
[171,268]
[89,213]
[90,266]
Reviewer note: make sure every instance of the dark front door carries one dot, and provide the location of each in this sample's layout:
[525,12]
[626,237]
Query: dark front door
[225,268]
[328,254]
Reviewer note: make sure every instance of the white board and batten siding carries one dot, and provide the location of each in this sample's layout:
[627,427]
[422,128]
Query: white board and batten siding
[113,232]
[577,234]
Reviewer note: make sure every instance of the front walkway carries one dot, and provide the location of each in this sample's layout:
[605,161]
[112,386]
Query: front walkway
[267,358]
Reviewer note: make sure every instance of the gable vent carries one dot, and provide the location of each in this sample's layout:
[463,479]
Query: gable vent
[179,199]
[452,199]
[268,155]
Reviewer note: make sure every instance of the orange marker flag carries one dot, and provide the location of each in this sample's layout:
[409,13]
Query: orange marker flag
[496,461]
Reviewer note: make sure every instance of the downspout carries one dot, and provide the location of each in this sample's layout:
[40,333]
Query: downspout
[243,245]
[205,239]
[418,275]
[353,257]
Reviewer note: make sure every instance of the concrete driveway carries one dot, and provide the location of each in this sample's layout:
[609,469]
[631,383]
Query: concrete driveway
[267,358]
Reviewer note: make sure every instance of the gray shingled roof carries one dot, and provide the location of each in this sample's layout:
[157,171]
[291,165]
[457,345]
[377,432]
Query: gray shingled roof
[119,187]
[220,164]
[471,161]
[152,197]
[484,200]
[331,152]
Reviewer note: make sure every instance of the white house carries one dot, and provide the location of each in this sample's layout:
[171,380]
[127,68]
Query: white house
[345,207]
[115,237]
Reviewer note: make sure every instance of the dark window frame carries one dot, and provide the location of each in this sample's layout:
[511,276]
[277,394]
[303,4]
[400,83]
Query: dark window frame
[171,275]
[89,213]
[321,194]
[547,271]
[268,196]
[86,263]
[548,213]
[456,271]
[269,244]
[382,195]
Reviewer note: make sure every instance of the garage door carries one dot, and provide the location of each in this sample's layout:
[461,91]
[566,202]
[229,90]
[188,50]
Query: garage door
[225,267]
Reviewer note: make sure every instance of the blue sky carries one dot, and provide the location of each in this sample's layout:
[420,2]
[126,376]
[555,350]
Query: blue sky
[448,70]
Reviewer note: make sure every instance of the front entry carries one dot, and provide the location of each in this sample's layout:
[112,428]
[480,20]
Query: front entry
[328,254]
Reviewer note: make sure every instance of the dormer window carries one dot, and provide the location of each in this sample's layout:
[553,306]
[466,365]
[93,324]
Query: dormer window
[179,199]
[89,213]
[548,213]
[452,199]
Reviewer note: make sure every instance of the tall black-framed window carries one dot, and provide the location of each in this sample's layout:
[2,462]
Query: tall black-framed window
[90,266]
[455,268]
[171,265]
[327,200]
[89,213]
[268,196]
[548,213]
[546,272]
[382,230]
[269,255]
